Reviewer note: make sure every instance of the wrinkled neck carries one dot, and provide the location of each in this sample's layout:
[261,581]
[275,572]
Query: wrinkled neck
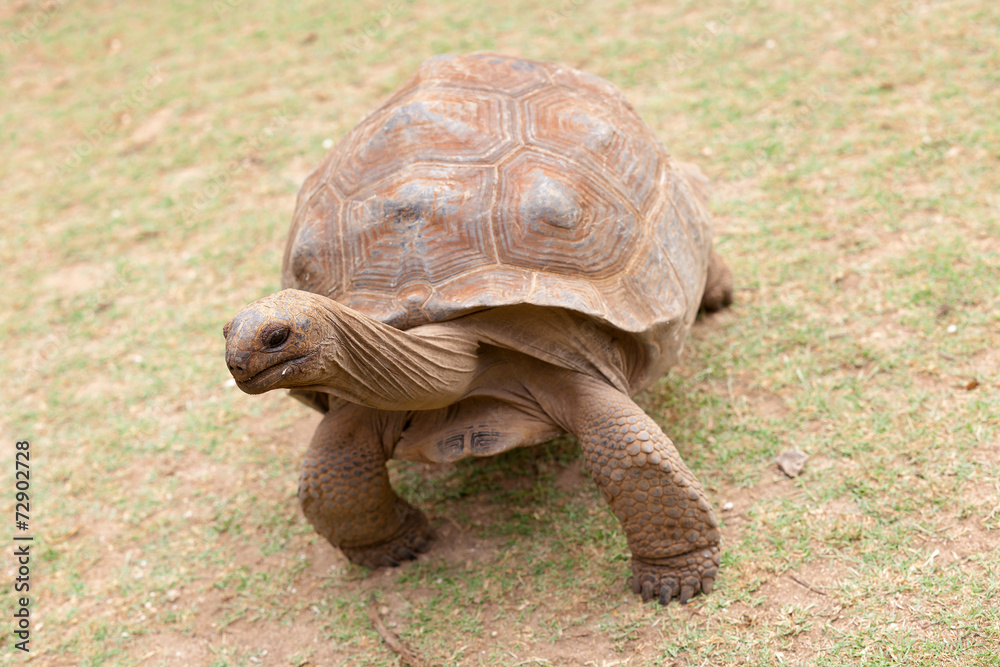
[370,363]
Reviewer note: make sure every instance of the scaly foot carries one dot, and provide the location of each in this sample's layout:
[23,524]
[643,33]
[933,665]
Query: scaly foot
[412,538]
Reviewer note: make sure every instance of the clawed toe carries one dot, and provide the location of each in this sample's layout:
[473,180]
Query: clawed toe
[678,577]
[668,591]
[647,591]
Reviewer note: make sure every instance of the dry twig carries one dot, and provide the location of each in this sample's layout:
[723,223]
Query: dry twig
[802,583]
[389,637]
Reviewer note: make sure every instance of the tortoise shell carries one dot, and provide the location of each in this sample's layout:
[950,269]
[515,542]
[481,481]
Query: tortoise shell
[487,181]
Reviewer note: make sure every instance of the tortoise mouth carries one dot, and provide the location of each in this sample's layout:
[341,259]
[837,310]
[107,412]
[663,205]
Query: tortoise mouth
[273,376]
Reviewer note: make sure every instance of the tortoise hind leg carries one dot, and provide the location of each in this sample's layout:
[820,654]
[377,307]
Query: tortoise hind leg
[345,493]
[719,286]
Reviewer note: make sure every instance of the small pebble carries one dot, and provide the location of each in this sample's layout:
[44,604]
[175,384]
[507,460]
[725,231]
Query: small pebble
[792,462]
[727,507]
[952,328]
[328,143]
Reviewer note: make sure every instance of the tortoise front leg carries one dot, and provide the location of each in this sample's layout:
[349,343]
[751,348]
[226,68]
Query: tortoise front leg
[345,493]
[671,529]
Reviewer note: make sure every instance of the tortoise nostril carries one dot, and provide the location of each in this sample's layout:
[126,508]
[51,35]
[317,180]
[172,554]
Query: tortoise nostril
[234,365]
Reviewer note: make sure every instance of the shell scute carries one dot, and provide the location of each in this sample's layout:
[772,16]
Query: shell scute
[427,126]
[423,224]
[485,71]
[594,132]
[553,219]
[315,244]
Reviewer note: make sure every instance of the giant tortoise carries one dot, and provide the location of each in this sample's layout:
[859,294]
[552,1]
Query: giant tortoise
[500,253]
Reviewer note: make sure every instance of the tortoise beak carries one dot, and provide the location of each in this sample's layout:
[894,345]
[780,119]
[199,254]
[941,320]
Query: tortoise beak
[254,377]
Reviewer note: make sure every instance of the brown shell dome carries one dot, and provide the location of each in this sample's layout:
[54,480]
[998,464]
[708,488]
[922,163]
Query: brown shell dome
[487,181]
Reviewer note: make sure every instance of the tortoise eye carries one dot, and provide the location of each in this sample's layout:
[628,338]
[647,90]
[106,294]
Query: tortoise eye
[277,337]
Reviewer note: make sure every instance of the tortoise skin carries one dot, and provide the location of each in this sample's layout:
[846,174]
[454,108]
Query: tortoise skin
[487,181]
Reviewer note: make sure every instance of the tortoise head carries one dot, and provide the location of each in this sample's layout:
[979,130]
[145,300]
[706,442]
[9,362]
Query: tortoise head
[276,341]
[297,339]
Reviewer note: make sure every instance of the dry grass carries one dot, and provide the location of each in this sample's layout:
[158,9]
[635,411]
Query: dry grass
[153,155]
